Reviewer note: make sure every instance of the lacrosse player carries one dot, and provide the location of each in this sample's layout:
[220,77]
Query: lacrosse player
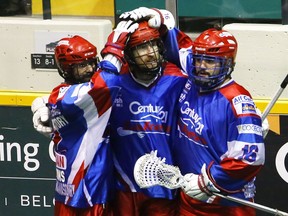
[220,145]
[142,115]
[84,167]
[142,118]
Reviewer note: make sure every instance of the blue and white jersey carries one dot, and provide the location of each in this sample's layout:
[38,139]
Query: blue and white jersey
[84,164]
[142,119]
[222,129]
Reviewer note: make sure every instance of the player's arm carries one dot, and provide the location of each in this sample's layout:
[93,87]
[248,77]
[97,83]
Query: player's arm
[178,49]
[113,52]
[238,166]
[245,154]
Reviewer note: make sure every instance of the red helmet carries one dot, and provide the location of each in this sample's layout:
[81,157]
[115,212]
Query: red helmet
[150,37]
[219,46]
[71,51]
[143,34]
[214,42]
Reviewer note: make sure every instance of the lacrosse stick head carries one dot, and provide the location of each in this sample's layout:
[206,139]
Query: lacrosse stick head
[150,170]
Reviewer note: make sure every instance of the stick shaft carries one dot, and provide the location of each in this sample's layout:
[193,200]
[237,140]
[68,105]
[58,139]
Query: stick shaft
[253,205]
[275,98]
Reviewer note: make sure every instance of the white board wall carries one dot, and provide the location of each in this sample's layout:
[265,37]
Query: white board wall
[21,37]
[262,58]
[261,64]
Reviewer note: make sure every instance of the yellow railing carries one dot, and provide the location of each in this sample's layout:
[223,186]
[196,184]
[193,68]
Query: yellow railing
[16,98]
[77,8]
[25,98]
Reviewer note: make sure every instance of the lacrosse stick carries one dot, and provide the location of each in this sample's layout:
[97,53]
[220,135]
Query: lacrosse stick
[150,170]
[275,98]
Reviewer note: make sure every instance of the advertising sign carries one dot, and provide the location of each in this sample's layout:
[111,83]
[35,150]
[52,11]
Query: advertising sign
[272,181]
[27,176]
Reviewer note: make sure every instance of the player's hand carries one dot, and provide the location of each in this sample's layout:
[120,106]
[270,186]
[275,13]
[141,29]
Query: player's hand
[265,124]
[117,40]
[41,115]
[199,187]
[265,127]
[156,17]
[138,13]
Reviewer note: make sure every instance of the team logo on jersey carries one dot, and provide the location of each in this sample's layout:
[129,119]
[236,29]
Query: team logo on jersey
[118,101]
[144,116]
[148,111]
[243,104]
[54,110]
[192,118]
[241,99]
[249,129]
[248,108]
[190,125]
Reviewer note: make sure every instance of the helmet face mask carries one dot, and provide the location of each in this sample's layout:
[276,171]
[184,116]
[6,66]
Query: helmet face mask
[76,59]
[209,71]
[146,59]
[144,52]
[214,53]
[146,55]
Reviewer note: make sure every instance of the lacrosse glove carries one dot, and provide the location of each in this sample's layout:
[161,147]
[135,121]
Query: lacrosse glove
[156,18]
[117,40]
[199,187]
[265,124]
[41,115]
